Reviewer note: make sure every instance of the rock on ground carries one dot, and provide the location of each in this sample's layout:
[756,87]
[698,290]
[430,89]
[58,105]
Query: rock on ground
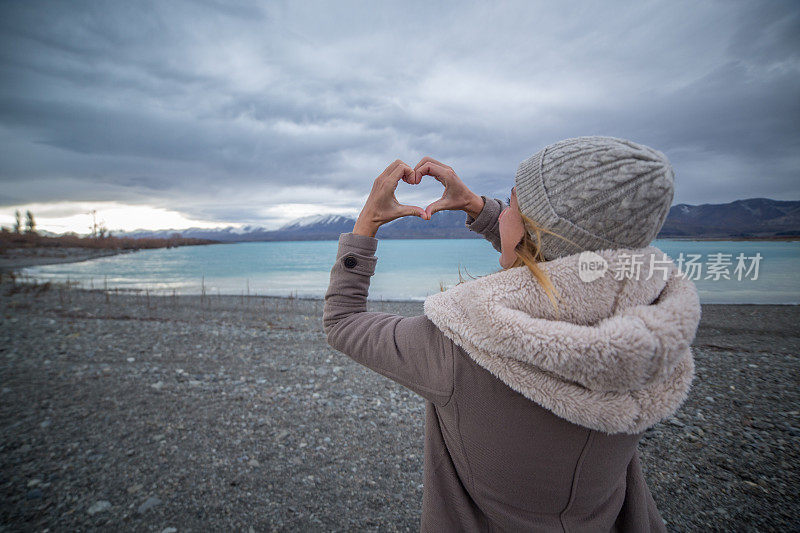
[234,413]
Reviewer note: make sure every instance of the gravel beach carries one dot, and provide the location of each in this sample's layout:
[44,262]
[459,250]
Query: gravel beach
[136,412]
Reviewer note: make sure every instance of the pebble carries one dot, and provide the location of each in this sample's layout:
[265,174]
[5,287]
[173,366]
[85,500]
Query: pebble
[169,530]
[158,385]
[99,507]
[151,502]
[218,425]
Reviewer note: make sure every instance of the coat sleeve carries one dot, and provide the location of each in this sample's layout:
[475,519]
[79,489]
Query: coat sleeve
[409,350]
[486,223]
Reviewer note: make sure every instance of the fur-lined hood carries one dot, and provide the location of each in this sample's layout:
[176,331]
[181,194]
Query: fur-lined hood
[617,359]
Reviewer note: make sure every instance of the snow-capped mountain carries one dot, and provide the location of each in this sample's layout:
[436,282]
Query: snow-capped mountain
[752,217]
[314,227]
[229,234]
[317,221]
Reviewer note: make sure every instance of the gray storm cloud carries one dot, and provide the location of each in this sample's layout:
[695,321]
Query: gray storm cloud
[218,110]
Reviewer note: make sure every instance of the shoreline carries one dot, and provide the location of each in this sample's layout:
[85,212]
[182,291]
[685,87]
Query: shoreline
[15,259]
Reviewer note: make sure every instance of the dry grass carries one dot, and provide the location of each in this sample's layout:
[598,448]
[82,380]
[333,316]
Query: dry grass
[10,239]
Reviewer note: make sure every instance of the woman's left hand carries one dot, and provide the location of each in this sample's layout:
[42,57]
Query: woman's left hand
[382,206]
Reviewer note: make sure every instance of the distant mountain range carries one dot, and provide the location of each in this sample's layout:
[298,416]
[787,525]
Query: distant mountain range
[754,217]
[751,218]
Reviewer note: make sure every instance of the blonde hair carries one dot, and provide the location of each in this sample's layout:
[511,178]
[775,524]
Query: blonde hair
[529,253]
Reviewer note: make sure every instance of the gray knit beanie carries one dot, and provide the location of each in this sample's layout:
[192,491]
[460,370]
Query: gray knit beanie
[600,192]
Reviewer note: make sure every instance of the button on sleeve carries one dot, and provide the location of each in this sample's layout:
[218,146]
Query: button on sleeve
[356,254]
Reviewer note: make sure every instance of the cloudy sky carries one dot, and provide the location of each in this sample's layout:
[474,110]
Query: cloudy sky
[216,113]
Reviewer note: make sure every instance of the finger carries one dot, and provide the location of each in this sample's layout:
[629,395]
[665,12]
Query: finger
[401,171]
[440,173]
[408,176]
[388,170]
[417,176]
[429,159]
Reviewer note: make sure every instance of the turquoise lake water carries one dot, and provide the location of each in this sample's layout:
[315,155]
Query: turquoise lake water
[406,269]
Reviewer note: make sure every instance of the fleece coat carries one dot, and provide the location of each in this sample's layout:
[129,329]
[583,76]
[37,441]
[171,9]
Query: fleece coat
[533,415]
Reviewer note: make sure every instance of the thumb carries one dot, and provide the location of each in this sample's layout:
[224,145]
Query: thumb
[438,205]
[412,211]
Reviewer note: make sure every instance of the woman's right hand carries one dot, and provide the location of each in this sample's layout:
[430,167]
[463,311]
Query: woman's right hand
[456,196]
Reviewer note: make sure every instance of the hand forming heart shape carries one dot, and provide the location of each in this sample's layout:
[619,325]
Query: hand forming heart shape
[456,195]
[382,205]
